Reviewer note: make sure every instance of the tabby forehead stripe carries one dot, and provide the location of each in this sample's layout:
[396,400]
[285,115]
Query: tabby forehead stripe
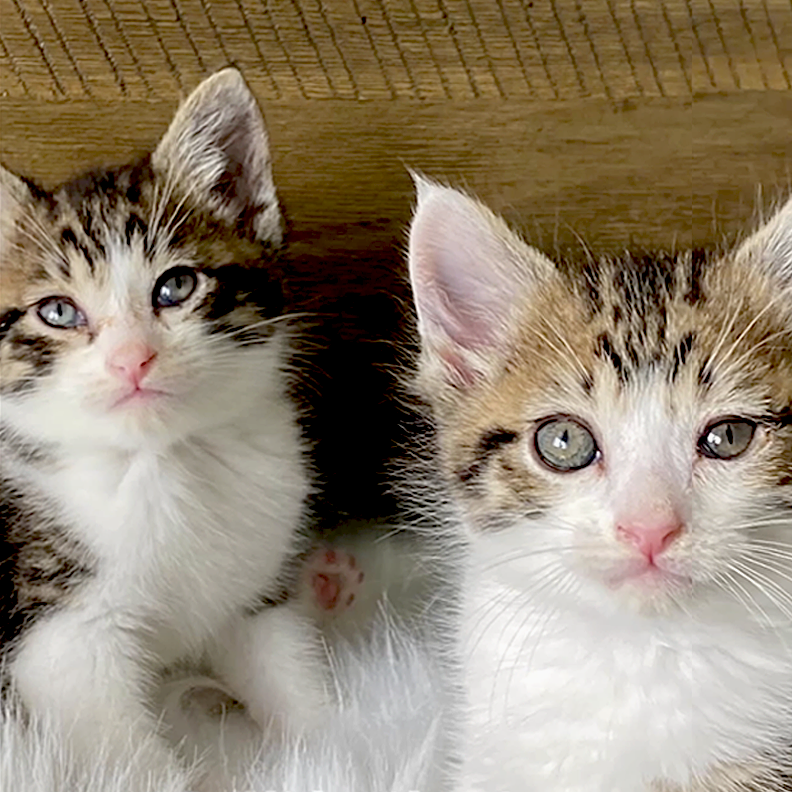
[681,352]
[604,348]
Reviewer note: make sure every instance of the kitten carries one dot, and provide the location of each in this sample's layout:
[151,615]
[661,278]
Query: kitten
[153,473]
[616,437]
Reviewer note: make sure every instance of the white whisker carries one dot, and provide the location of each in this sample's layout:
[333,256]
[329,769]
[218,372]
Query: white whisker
[773,302]
[751,576]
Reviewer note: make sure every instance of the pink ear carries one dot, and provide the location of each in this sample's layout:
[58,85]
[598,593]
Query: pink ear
[469,272]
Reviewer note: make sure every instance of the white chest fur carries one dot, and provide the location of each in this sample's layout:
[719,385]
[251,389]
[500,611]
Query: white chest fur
[185,535]
[569,702]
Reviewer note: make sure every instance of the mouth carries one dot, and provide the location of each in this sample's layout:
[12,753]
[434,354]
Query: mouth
[646,574]
[139,396]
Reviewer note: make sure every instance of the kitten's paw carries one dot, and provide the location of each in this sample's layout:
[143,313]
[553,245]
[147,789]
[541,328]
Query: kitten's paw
[333,578]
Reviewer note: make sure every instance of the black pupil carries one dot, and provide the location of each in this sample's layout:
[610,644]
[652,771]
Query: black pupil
[564,439]
[173,287]
[726,439]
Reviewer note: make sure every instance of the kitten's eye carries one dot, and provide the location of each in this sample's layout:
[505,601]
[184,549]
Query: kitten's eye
[174,287]
[564,444]
[61,312]
[727,438]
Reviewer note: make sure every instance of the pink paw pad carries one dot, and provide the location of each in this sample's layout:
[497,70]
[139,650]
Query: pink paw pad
[334,579]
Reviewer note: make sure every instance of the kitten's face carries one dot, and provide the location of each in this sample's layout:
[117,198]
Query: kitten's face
[135,307]
[618,433]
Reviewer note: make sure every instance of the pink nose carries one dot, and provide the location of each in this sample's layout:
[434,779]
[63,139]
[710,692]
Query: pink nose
[652,539]
[132,361]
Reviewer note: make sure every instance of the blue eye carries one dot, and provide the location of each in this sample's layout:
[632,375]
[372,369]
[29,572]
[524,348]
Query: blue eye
[174,287]
[61,312]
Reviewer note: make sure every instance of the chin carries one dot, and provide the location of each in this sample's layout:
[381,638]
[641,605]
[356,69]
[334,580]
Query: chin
[144,427]
[648,591]
[155,417]
[140,400]
[655,597]
[132,427]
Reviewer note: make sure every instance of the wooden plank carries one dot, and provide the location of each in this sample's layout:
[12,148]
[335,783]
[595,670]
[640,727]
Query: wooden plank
[655,172]
[417,49]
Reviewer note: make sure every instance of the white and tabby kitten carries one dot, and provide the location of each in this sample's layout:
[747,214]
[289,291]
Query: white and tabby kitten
[153,474]
[617,439]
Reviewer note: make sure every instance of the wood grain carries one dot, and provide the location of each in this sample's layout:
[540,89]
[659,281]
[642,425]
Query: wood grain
[423,50]
[652,172]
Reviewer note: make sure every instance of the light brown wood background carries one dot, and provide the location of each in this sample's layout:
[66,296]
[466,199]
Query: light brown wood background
[652,122]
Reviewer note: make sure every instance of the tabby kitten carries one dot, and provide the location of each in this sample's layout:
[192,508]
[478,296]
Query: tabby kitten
[152,469]
[616,436]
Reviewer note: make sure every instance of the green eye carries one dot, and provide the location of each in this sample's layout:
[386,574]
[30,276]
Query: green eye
[174,287]
[727,438]
[61,312]
[565,444]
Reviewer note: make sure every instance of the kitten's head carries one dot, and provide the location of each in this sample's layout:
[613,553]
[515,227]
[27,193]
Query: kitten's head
[137,304]
[619,430]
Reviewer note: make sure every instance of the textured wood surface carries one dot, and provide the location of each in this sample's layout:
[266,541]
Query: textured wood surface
[656,172]
[389,49]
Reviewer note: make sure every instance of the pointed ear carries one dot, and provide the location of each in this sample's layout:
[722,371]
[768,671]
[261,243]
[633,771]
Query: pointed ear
[771,246]
[469,273]
[217,151]
[14,195]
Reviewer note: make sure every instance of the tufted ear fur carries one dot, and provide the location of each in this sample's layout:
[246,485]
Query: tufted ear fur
[14,195]
[469,274]
[217,151]
[771,246]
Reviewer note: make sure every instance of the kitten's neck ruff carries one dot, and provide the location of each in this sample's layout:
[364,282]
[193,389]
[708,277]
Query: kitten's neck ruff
[182,534]
[568,697]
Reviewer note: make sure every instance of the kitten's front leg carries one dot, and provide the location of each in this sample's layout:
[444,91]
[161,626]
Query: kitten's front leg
[275,663]
[84,673]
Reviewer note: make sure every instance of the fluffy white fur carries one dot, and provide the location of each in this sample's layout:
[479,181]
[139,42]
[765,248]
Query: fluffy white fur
[565,696]
[575,686]
[388,734]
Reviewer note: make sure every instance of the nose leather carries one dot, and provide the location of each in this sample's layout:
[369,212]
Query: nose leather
[132,361]
[651,538]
